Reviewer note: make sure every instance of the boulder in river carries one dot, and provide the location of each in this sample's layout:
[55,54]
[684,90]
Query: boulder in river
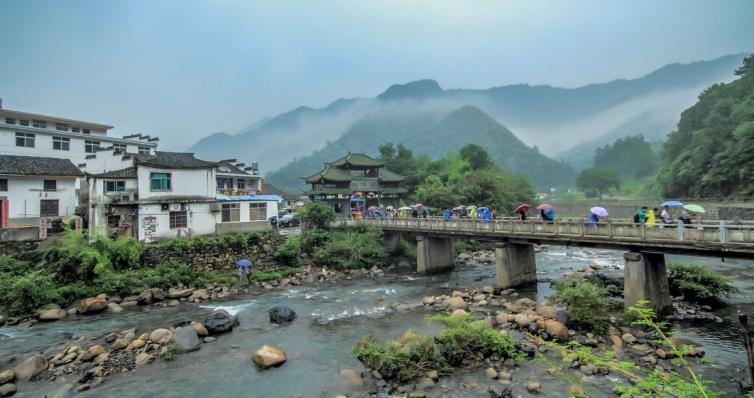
[220,321]
[92,352]
[556,329]
[456,303]
[351,376]
[282,314]
[6,376]
[179,293]
[160,336]
[268,356]
[199,294]
[200,329]
[30,367]
[52,315]
[6,390]
[91,305]
[186,339]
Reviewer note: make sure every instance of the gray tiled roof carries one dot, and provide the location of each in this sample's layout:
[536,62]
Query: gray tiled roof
[38,166]
[173,160]
[128,172]
[232,167]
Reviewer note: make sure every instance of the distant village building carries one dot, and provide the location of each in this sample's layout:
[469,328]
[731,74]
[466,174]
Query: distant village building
[356,180]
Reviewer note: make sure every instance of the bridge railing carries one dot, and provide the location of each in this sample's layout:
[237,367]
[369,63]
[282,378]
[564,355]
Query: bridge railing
[718,232]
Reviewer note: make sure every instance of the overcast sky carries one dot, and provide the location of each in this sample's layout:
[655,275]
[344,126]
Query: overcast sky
[184,69]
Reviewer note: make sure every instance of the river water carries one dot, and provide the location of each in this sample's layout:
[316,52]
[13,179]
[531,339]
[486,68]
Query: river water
[331,318]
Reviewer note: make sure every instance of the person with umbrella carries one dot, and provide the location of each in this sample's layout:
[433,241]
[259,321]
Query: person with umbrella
[666,217]
[521,211]
[244,265]
[595,214]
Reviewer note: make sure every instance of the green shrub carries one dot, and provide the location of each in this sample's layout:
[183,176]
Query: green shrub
[352,249]
[167,352]
[289,253]
[12,265]
[317,215]
[314,238]
[20,295]
[698,283]
[407,248]
[272,275]
[412,355]
[124,252]
[589,304]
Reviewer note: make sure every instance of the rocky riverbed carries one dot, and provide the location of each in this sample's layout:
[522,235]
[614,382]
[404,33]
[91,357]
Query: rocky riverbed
[335,309]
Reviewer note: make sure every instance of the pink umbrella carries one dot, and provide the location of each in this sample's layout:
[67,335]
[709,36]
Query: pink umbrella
[545,206]
[600,211]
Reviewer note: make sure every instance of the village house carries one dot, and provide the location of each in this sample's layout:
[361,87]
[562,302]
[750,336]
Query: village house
[243,205]
[34,188]
[356,180]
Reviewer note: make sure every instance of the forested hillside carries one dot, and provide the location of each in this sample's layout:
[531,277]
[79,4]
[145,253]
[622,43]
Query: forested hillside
[710,154]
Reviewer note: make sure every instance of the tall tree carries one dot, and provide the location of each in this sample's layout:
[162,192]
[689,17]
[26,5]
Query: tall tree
[477,156]
[631,157]
[597,180]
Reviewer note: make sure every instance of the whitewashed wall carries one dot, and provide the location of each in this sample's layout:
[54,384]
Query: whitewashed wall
[201,221]
[25,192]
[184,182]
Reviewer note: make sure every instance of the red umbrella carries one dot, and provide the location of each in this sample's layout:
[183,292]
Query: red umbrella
[523,207]
[545,206]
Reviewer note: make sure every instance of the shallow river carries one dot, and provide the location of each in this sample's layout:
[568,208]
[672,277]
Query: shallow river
[332,318]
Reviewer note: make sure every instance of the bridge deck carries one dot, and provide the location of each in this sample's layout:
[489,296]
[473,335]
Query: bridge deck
[707,239]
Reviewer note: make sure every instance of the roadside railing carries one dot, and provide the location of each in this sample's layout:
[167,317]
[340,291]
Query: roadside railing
[705,232]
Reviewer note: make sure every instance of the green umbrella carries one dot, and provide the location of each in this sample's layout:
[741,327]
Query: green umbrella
[694,208]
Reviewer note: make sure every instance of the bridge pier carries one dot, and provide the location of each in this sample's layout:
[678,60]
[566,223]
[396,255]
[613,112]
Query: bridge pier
[516,264]
[646,279]
[434,254]
[391,241]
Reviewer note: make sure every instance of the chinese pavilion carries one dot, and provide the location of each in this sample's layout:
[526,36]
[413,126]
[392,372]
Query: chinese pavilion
[356,180]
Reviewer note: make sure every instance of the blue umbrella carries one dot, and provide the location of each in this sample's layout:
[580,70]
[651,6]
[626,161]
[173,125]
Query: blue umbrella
[672,203]
[244,263]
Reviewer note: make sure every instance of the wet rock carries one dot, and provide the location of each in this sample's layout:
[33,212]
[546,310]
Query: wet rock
[268,356]
[576,391]
[491,373]
[488,289]
[121,343]
[617,342]
[6,390]
[220,321]
[662,354]
[424,383]
[114,308]
[143,359]
[556,329]
[91,305]
[433,374]
[6,376]
[429,300]
[505,375]
[136,344]
[351,376]
[186,340]
[179,293]
[160,336]
[522,320]
[526,302]
[628,338]
[456,303]
[52,315]
[199,294]
[534,387]
[92,352]
[459,313]
[199,328]
[30,367]
[99,359]
[281,314]
[210,339]
[500,392]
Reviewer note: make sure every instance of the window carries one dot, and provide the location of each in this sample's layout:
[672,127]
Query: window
[119,147]
[48,208]
[257,211]
[62,126]
[91,146]
[3,185]
[10,120]
[76,129]
[178,219]
[115,186]
[39,123]
[50,185]
[159,182]
[143,150]
[231,212]
[25,140]
[241,184]
[23,122]
[61,143]
[85,131]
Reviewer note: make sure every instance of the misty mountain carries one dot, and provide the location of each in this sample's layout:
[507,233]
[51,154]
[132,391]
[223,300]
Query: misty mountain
[430,134]
[552,118]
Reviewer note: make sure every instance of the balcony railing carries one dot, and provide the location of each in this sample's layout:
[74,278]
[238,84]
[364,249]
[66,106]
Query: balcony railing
[235,191]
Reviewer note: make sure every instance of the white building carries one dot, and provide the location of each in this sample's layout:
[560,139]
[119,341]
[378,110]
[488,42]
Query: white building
[34,188]
[171,194]
[30,134]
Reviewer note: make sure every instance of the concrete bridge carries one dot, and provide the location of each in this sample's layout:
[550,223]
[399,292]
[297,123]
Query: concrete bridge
[645,246]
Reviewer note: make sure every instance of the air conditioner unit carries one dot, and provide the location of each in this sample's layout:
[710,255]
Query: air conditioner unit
[215,206]
[175,207]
